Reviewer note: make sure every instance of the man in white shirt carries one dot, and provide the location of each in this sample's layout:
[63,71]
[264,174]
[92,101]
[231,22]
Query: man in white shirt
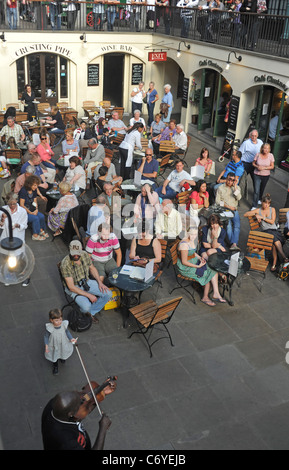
[249,149]
[168,222]
[180,139]
[174,182]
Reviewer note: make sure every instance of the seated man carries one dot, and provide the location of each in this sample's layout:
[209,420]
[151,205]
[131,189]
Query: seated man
[117,125]
[148,166]
[12,130]
[35,161]
[168,221]
[97,215]
[228,195]
[101,248]
[76,268]
[95,154]
[174,182]
[180,139]
[31,150]
[235,166]
[20,180]
[111,176]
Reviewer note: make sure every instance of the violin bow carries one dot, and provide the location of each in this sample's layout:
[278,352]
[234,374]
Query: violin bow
[87,378]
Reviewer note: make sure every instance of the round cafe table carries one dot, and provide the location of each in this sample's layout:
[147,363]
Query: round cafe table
[220,262]
[128,288]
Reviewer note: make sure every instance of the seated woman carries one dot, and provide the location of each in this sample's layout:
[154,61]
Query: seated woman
[205,161]
[70,144]
[266,216]
[11,144]
[99,127]
[136,118]
[213,237]
[45,152]
[147,204]
[55,120]
[199,199]
[28,200]
[75,174]
[188,264]
[157,126]
[146,248]
[58,215]
[102,174]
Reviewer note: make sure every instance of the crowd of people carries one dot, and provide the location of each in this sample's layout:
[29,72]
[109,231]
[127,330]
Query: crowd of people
[153,210]
[205,14]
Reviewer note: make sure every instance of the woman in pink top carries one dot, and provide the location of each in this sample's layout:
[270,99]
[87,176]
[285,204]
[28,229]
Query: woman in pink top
[263,164]
[200,196]
[204,160]
[45,152]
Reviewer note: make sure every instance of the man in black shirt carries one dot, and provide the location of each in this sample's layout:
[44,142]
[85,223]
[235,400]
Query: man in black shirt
[62,430]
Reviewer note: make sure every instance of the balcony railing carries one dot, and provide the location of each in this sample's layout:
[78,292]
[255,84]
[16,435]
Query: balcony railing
[267,34]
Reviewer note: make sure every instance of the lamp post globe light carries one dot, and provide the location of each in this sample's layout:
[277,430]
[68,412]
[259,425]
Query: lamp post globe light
[16,258]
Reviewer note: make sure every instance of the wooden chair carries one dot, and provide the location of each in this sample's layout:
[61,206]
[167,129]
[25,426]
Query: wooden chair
[165,163]
[167,147]
[257,244]
[144,143]
[282,217]
[13,154]
[182,281]
[119,110]
[88,104]
[183,197]
[62,104]
[42,107]
[108,153]
[12,105]
[76,122]
[158,280]
[253,222]
[105,104]
[117,140]
[150,316]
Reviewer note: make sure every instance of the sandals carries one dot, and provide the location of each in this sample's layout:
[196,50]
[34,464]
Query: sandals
[57,233]
[38,237]
[44,234]
[220,300]
[210,303]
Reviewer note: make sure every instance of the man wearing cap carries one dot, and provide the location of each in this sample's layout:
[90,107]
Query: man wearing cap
[90,295]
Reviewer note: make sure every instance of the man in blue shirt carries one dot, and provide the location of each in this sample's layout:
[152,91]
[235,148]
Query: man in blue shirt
[148,166]
[235,166]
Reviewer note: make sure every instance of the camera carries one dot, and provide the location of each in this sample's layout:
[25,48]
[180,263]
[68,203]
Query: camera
[83,283]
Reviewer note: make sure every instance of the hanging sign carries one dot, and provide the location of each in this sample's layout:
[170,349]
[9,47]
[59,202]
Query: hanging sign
[157,56]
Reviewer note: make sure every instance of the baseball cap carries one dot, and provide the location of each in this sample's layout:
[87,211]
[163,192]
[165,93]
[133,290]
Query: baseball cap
[75,248]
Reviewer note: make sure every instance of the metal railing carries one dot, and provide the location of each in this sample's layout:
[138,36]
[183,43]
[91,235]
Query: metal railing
[267,34]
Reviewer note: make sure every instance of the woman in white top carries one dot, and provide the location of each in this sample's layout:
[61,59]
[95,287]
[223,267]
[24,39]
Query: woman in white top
[126,148]
[137,118]
[75,174]
[137,95]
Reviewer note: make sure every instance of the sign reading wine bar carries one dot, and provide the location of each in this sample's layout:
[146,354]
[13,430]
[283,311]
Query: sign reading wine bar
[157,56]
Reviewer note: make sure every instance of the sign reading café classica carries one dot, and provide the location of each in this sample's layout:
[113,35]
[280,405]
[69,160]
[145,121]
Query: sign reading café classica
[271,80]
[55,48]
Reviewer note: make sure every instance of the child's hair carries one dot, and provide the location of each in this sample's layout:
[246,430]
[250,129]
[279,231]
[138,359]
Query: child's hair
[55,313]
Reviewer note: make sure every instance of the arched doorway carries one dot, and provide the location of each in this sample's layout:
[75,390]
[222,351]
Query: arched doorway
[48,75]
[214,97]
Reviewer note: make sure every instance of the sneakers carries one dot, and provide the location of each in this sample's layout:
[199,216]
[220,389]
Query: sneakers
[253,208]
[26,283]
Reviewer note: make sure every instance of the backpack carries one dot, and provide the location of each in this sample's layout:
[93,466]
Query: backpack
[79,321]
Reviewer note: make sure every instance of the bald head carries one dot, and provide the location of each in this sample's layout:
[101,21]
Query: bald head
[65,405]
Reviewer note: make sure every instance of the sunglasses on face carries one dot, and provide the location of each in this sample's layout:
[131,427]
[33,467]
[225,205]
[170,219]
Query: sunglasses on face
[43,138]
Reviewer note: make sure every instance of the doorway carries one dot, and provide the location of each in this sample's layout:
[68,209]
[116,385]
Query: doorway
[42,75]
[113,71]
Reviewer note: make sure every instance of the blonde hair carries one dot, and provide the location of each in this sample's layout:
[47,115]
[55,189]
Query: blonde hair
[64,187]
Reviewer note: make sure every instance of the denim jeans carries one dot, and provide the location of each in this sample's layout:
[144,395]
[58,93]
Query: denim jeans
[110,15]
[259,187]
[170,193]
[37,222]
[55,18]
[151,108]
[11,14]
[234,228]
[84,303]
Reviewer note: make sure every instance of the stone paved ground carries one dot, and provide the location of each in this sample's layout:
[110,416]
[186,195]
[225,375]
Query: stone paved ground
[224,385]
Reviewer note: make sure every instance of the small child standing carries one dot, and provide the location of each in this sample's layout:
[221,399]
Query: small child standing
[58,339]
